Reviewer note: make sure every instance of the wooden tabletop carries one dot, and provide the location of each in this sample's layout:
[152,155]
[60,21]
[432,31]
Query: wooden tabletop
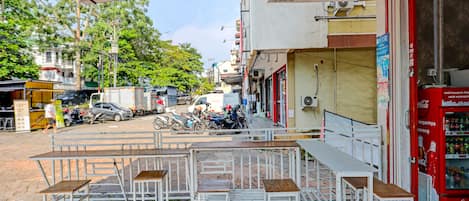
[151,175]
[244,144]
[109,154]
[379,188]
[280,185]
[66,186]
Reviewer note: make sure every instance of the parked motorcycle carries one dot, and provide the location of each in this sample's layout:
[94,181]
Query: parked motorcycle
[180,122]
[72,117]
[162,122]
[229,120]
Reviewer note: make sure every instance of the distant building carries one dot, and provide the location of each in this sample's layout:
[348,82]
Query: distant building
[226,76]
[293,51]
[56,65]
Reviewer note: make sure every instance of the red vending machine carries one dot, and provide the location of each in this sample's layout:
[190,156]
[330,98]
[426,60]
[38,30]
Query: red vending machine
[444,140]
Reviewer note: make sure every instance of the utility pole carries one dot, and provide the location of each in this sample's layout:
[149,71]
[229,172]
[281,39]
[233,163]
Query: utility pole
[77,46]
[114,51]
[100,67]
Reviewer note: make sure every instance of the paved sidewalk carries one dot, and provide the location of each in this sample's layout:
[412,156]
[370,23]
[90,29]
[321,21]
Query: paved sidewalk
[257,122]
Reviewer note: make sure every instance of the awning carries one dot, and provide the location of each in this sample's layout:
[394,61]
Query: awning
[232,78]
[10,89]
[49,90]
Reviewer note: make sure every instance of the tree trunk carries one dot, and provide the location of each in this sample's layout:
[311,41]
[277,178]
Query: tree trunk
[77,50]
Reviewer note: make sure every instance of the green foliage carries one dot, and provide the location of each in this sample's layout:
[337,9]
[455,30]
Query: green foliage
[142,54]
[15,42]
[205,87]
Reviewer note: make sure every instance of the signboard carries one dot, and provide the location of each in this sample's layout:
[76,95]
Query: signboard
[22,123]
[382,60]
[455,97]
[59,116]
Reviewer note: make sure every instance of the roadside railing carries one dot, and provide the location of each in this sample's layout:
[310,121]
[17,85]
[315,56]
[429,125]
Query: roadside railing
[183,139]
[250,167]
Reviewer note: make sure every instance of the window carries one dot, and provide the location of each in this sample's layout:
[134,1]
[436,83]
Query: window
[56,57]
[201,101]
[48,57]
[225,70]
[107,106]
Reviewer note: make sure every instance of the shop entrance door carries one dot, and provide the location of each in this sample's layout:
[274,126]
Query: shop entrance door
[268,97]
[281,98]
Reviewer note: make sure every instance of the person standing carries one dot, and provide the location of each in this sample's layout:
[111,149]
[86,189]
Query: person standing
[49,110]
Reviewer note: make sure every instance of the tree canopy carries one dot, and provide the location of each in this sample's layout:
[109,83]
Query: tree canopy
[16,26]
[143,55]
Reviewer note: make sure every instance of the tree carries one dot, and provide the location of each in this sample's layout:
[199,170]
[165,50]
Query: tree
[16,27]
[142,54]
[65,17]
[205,87]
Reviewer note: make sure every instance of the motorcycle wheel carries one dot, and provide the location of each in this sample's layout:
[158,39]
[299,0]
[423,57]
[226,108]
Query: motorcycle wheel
[212,125]
[158,124]
[198,126]
[176,127]
[67,123]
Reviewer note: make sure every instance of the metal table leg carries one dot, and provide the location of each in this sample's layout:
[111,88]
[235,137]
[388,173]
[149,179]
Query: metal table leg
[119,178]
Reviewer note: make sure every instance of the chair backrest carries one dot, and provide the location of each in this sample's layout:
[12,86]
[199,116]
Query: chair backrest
[100,141]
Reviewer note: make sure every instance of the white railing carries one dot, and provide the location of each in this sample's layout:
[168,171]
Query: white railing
[249,167]
[361,141]
[184,139]
[426,190]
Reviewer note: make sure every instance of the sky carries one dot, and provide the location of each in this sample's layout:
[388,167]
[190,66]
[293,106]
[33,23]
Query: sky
[198,22]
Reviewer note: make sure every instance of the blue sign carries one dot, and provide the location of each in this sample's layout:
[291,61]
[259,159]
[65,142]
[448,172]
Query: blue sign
[382,56]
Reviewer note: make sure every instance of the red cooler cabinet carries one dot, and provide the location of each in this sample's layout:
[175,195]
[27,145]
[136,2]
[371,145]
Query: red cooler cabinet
[444,122]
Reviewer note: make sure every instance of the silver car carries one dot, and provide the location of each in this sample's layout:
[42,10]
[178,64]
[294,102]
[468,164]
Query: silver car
[111,111]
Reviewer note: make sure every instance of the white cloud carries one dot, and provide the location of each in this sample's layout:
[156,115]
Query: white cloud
[208,40]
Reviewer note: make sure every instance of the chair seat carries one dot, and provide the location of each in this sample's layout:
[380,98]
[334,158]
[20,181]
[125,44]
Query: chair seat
[151,175]
[280,185]
[380,189]
[66,187]
[214,186]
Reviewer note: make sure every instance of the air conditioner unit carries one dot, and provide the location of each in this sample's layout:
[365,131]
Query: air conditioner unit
[345,4]
[257,74]
[309,102]
[342,6]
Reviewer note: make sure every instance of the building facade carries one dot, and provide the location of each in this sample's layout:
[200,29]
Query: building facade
[55,65]
[294,51]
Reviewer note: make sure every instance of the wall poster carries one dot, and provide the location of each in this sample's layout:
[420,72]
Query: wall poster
[382,60]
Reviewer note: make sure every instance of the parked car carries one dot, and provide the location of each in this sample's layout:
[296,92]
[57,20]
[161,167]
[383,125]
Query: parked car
[111,111]
[184,99]
[74,97]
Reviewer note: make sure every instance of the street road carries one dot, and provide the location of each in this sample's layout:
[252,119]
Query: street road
[20,177]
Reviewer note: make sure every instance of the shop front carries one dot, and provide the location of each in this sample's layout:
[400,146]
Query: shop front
[30,98]
[279,79]
[428,57]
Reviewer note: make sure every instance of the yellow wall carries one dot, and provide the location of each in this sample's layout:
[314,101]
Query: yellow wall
[348,89]
[350,26]
[290,88]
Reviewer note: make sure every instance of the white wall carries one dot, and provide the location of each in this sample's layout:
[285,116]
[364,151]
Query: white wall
[286,25]
[226,67]
[270,62]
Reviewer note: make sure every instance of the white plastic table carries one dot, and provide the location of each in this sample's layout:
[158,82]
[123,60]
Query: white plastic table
[340,163]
